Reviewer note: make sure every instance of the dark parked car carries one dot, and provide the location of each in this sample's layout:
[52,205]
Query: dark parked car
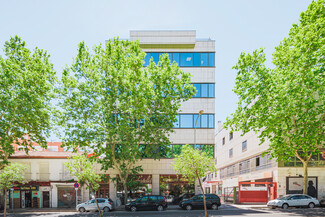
[181,197]
[196,202]
[150,202]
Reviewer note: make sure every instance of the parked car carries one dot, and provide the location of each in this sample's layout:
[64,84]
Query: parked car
[196,202]
[150,202]
[322,203]
[181,197]
[293,200]
[105,204]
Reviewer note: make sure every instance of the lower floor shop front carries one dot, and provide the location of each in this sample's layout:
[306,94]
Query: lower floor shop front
[171,186]
[289,180]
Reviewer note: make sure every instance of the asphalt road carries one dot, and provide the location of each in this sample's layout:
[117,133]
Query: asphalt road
[183,213]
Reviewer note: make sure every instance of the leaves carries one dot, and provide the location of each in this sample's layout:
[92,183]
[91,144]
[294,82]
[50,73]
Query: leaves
[286,104]
[27,81]
[11,174]
[83,169]
[111,104]
[193,163]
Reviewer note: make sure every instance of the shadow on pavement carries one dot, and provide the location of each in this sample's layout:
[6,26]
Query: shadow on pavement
[319,211]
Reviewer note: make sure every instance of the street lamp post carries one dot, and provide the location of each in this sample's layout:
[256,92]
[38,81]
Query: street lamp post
[200,113]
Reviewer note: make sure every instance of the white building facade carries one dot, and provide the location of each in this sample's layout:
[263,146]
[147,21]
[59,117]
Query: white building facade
[239,159]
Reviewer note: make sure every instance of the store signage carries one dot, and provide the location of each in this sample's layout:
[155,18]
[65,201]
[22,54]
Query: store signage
[145,179]
[24,188]
[253,188]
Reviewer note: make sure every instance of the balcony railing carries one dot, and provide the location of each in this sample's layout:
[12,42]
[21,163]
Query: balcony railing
[66,177]
[43,176]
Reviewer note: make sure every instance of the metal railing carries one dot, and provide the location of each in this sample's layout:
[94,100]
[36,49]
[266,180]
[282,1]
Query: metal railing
[43,176]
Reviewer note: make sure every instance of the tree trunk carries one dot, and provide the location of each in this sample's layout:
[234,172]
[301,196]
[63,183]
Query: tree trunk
[204,203]
[125,193]
[5,208]
[305,163]
[100,212]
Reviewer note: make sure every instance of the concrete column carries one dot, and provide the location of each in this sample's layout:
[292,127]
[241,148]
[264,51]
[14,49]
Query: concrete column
[54,196]
[155,184]
[112,189]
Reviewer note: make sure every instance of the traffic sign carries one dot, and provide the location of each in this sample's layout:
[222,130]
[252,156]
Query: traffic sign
[76,185]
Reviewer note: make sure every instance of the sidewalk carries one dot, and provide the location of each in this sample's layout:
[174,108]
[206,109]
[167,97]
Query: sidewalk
[22,210]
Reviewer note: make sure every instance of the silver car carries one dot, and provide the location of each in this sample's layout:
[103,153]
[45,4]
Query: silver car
[293,200]
[103,203]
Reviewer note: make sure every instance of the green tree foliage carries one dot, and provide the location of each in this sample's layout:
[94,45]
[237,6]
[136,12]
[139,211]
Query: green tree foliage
[112,104]
[10,175]
[194,164]
[27,79]
[83,169]
[285,104]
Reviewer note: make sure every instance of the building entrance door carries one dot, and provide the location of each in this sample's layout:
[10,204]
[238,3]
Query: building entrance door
[46,199]
[26,199]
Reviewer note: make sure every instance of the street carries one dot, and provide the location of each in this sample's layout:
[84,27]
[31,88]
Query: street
[226,211]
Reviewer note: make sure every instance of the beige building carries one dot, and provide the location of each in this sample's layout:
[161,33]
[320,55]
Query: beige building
[239,159]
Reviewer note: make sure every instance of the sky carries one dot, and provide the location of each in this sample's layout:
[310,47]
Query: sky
[235,25]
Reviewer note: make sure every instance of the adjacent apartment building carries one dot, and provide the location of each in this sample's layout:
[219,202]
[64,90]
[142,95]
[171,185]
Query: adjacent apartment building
[239,159]
[50,184]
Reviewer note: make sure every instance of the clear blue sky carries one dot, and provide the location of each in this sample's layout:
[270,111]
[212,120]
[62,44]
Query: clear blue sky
[236,25]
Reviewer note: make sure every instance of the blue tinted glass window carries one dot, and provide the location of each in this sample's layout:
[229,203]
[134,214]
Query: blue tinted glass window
[170,56]
[211,90]
[204,90]
[198,89]
[186,121]
[211,121]
[186,59]
[211,59]
[147,59]
[204,59]
[198,125]
[176,58]
[176,123]
[155,57]
[204,121]
[197,59]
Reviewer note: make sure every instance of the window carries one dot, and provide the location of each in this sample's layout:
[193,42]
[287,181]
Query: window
[152,198]
[186,121]
[184,59]
[189,120]
[223,141]
[204,90]
[257,162]
[230,152]
[244,146]
[231,135]
[211,59]
[53,148]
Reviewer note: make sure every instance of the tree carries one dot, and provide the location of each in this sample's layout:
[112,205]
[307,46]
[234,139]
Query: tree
[83,169]
[285,104]
[194,164]
[9,176]
[119,109]
[27,80]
